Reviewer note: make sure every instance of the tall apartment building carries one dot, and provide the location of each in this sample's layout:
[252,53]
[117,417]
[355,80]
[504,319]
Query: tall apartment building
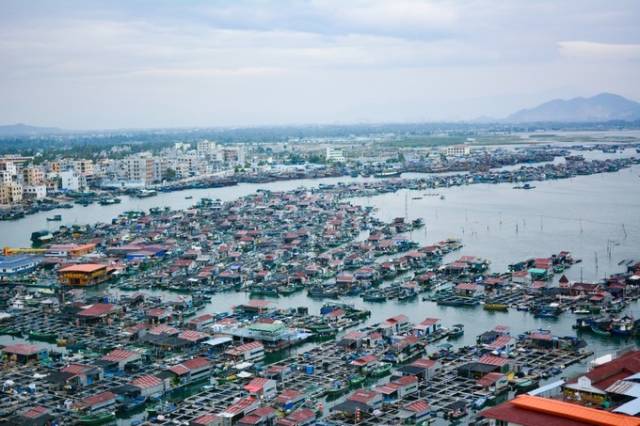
[10,193]
[139,169]
[33,176]
[231,154]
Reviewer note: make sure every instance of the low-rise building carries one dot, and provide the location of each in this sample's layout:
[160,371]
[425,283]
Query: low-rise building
[83,274]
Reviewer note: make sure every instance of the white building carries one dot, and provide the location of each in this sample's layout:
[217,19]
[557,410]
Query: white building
[6,177]
[457,150]
[35,192]
[334,155]
[69,180]
[206,147]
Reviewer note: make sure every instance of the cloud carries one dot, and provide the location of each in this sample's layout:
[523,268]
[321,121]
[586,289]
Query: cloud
[599,51]
[120,63]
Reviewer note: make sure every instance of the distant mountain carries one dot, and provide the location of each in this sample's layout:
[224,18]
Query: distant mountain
[602,107]
[20,129]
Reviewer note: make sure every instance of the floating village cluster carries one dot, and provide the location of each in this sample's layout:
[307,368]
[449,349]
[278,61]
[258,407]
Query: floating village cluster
[94,342]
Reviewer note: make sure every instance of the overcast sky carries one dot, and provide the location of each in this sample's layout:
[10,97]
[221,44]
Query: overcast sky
[114,64]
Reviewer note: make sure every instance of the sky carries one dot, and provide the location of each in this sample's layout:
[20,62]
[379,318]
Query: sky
[138,64]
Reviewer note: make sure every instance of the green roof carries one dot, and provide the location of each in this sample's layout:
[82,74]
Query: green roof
[266,327]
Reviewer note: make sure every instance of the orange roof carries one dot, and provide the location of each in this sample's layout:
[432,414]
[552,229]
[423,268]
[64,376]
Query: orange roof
[84,267]
[574,411]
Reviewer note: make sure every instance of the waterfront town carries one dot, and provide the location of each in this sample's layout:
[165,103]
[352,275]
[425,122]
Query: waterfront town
[271,308]
[31,184]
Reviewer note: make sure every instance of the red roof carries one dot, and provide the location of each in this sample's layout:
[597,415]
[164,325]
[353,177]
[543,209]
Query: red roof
[363,396]
[76,369]
[205,419]
[429,321]
[423,363]
[196,363]
[302,415]
[500,342]
[193,336]
[256,385]
[179,369]
[97,310]
[163,329]
[240,406]
[239,350]
[493,360]
[288,395]
[364,360]
[467,286]
[606,374]
[96,399]
[419,406]
[530,410]
[119,355]
[406,380]
[84,268]
[489,379]
[146,382]
[21,349]
[35,412]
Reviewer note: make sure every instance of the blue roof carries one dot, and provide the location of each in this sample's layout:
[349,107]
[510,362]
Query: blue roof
[16,261]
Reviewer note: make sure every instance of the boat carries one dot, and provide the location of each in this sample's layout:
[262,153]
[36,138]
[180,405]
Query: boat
[356,381]
[109,201]
[374,296]
[622,326]
[388,174]
[525,384]
[96,419]
[146,193]
[188,197]
[40,237]
[496,307]
[558,269]
[381,370]
[600,331]
[131,404]
[43,337]
[56,218]
[525,186]
[416,198]
[456,331]
[480,403]
[337,389]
